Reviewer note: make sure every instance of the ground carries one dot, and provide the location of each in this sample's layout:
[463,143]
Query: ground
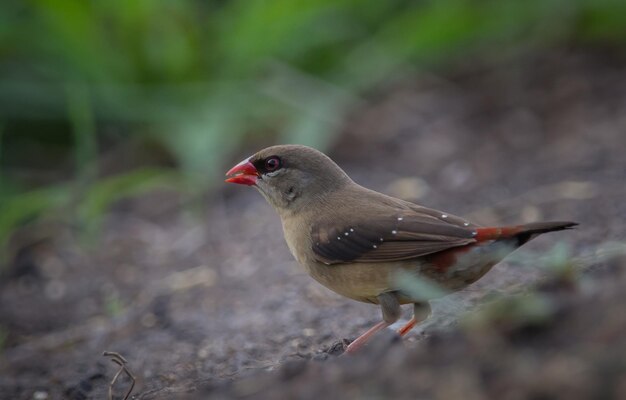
[213,305]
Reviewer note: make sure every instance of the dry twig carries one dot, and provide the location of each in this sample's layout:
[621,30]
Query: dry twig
[121,361]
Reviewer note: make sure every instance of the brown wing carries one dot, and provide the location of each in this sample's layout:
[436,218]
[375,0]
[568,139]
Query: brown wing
[401,236]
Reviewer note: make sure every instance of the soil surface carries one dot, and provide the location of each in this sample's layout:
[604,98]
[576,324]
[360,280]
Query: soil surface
[214,306]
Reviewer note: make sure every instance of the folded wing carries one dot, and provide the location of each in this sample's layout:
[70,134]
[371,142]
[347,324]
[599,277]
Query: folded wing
[394,236]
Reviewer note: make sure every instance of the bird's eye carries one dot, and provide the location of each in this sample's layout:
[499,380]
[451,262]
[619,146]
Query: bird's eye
[272,164]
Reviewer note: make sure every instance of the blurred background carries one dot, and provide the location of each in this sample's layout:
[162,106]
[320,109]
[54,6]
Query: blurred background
[118,119]
[102,99]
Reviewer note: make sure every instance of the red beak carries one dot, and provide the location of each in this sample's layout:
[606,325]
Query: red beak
[243,173]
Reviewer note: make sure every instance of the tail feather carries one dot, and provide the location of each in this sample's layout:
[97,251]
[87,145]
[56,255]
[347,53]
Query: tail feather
[523,233]
[529,231]
[543,227]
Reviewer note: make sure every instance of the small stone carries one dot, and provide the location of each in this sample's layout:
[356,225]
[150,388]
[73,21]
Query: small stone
[40,395]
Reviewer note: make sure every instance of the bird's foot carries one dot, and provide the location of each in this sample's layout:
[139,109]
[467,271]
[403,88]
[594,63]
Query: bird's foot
[364,338]
[407,327]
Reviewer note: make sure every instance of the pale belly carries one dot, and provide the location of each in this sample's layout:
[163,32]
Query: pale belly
[358,281]
[365,281]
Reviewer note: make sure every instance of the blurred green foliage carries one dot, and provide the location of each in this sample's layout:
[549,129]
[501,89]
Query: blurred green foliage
[197,78]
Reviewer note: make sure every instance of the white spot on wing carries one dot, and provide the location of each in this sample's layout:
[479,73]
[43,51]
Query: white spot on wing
[346,233]
[351,230]
[444,215]
[465,223]
[394,231]
[374,246]
[400,218]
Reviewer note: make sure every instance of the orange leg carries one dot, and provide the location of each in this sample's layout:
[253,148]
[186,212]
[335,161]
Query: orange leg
[420,313]
[361,340]
[408,326]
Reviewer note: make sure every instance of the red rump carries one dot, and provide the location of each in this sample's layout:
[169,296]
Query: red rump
[495,233]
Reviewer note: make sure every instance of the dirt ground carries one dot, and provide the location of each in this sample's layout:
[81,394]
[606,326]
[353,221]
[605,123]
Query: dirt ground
[215,306]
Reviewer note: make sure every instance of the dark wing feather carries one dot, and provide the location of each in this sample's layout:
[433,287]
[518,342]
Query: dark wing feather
[401,236]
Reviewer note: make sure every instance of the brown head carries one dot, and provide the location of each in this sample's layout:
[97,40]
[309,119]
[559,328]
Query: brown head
[290,177]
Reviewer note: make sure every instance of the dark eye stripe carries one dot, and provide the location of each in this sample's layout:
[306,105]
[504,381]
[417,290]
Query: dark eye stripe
[268,164]
[272,164]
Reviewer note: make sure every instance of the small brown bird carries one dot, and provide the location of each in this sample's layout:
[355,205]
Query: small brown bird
[354,240]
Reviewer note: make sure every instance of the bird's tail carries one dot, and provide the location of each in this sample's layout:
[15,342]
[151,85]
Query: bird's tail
[529,231]
[523,233]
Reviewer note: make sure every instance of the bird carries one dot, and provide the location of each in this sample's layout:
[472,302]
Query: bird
[354,240]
